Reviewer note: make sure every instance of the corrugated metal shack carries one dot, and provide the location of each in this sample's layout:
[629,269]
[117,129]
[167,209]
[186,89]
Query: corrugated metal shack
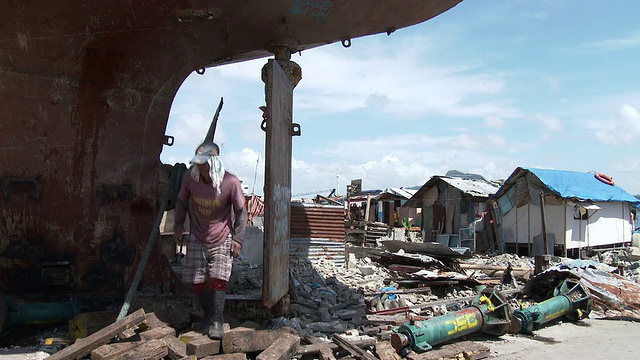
[454,211]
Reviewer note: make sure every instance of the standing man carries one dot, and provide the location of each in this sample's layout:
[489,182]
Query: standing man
[214,200]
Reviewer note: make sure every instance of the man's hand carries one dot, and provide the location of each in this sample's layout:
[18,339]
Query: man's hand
[236,248]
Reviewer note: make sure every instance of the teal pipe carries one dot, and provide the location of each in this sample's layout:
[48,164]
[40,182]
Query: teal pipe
[15,314]
[489,312]
[571,299]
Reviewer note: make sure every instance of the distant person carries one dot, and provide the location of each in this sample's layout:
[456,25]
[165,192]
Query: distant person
[214,200]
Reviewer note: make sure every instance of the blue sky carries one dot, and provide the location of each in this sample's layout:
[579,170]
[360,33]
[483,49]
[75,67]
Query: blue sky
[483,88]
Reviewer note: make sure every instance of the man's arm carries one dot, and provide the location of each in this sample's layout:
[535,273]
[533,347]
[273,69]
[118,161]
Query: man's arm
[239,225]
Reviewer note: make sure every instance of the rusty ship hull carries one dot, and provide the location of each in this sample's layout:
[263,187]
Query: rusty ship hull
[85,94]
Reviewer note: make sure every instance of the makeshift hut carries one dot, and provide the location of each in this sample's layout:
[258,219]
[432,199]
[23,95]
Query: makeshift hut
[566,210]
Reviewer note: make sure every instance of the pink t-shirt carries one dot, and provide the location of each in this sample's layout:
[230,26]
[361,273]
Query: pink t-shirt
[210,214]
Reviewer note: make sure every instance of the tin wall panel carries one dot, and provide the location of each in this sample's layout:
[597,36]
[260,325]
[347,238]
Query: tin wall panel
[317,221]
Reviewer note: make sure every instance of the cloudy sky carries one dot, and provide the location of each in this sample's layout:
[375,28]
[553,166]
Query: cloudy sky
[483,88]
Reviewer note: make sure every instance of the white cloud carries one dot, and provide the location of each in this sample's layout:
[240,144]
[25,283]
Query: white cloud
[631,40]
[630,118]
[550,123]
[554,83]
[496,140]
[494,121]
[409,88]
[624,129]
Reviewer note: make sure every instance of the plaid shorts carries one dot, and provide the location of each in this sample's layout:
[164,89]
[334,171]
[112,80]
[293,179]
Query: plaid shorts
[202,262]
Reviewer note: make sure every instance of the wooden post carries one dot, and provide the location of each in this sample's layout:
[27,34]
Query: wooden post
[541,263]
[277,184]
[544,225]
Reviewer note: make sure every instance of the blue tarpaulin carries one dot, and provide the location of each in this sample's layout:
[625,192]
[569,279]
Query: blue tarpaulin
[584,186]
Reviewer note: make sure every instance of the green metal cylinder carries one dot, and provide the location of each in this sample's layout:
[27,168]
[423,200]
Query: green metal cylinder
[571,300]
[489,313]
[17,314]
[422,335]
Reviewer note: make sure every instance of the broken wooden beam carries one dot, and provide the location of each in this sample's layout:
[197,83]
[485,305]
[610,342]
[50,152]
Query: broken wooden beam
[84,346]
[234,356]
[252,340]
[460,350]
[360,341]
[326,354]
[284,348]
[203,346]
[176,348]
[352,349]
[153,349]
[385,351]
[115,350]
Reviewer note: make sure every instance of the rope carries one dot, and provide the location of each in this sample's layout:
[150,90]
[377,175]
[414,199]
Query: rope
[174,183]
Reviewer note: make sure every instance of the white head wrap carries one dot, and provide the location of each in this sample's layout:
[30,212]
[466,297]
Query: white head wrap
[216,172]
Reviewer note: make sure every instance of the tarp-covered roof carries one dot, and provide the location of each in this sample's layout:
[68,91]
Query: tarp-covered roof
[574,184]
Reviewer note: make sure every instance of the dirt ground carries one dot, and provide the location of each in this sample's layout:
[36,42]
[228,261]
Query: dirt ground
[588,339]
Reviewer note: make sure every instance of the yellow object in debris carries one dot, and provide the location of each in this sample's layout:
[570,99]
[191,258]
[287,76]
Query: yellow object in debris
[580,314]
[485,300]
[48,341]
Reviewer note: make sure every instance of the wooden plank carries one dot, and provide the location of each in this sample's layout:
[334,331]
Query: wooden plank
[189,336]
[176,348]
[128,333]
[277,183]
[157,333]
[361,341]
[352,349]
[326,354]
[249,341]
[154,349]
[84,346]
[385,351]
[282,349]
[152,321]
[115,350]
[461,350]
[203,346]
[234,356]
